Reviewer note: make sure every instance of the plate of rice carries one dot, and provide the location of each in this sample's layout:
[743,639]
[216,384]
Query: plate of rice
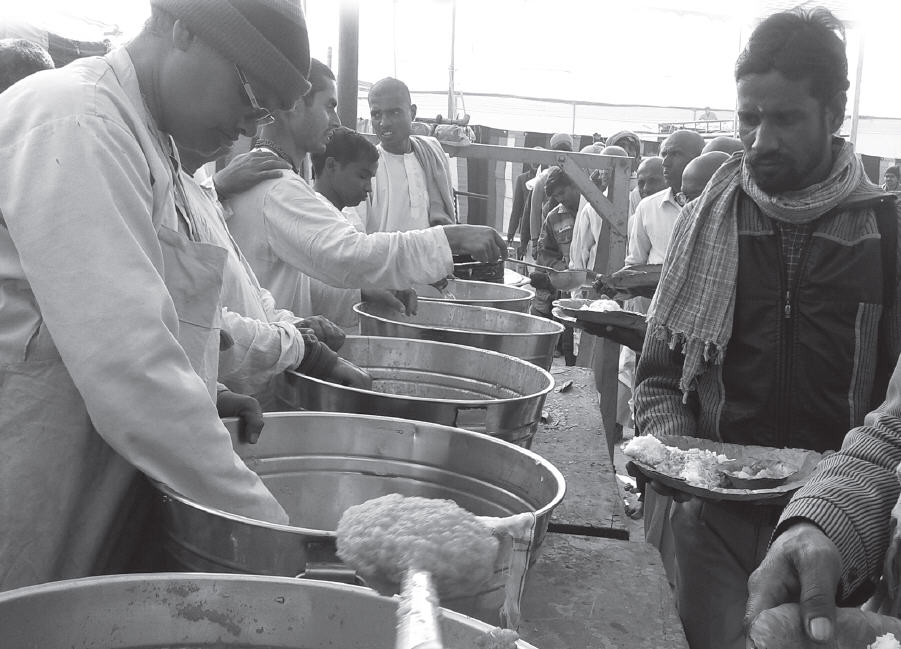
[721,471]
[601,312]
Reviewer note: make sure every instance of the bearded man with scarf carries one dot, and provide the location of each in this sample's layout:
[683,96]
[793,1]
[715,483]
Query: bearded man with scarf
[776,318]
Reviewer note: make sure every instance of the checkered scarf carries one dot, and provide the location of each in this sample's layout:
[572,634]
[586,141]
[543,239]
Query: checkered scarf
[695,300]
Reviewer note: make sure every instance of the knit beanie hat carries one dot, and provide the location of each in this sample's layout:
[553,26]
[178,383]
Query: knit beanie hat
[561,138]
[266,38]
[624,136]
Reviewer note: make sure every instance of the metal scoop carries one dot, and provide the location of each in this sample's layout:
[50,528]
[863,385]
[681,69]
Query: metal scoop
[563,280]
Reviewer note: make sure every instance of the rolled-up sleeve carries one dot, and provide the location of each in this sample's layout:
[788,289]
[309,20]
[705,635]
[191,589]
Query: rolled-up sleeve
[259,351]
[851,493]
[319,241]
[76,199]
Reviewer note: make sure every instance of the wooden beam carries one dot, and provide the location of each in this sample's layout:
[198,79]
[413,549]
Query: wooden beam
[576,166]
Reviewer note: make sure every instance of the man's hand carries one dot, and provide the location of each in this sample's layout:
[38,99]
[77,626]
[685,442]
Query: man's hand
[633,338]
[480,242]
[346,373]
[803,565]
[247,170]
[404,301]
[246,408]
[326,331]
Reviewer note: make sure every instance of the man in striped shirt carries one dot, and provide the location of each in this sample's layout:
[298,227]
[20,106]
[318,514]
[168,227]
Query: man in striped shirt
[775,321]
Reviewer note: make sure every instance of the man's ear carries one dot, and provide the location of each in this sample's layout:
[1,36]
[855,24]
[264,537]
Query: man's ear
[836,110]
[412,111]
[182,37]
[331,164]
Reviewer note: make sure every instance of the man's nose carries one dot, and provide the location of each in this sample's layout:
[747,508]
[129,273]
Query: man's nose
[765,139]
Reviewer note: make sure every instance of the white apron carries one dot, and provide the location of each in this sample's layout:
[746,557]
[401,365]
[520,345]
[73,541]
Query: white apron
[62,488]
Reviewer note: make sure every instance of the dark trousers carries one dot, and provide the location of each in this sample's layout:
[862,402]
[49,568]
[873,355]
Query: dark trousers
[565,344]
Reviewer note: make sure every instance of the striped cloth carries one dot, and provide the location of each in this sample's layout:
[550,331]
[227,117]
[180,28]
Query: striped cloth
[695,300]
[850,496]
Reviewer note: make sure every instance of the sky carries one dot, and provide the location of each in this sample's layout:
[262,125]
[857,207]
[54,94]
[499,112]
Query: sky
[651,52]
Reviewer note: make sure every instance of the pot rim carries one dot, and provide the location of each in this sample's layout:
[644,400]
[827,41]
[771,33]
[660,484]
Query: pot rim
[293,529]
[360,309]
[480,403]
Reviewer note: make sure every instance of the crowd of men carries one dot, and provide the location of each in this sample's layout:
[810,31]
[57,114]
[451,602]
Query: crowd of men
[141,299]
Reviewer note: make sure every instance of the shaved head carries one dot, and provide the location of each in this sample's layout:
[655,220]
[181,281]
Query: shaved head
[650,176]
[392,114]
[677,151]
[615,150]
[390,85]
[724,143]
[699,171]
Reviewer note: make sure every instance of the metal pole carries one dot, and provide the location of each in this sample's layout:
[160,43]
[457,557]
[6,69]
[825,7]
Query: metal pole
[348,62]
[855,107]
[451,96]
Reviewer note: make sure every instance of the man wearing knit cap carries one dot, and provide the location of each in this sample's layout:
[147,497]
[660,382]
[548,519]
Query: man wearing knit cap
[109,303]
[541,204]
[412,189]
[632,144]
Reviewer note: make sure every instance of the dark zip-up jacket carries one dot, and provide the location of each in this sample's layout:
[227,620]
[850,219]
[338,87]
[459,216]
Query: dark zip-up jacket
[800,368]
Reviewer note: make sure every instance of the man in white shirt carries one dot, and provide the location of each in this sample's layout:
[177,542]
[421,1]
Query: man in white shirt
[412,189]
[344,173]
[286,231]
[652,223]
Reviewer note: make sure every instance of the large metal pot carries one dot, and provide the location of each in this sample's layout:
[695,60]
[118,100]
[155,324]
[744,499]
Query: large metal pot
[319,464]
[217,611]
[442,383]
[497,296]
[528,337]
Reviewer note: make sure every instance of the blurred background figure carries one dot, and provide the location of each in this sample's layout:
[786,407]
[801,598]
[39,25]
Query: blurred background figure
[724,143]
[20,58]
[891,178]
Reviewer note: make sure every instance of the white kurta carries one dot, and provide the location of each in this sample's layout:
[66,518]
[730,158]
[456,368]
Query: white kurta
[285,231]
[400,196]
[93,380]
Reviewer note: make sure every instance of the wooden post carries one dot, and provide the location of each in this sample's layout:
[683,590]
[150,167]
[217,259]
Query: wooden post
[601,354]
[348,62]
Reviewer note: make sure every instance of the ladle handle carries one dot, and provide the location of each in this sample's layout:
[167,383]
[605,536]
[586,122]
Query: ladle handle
[417,613]
[547,269]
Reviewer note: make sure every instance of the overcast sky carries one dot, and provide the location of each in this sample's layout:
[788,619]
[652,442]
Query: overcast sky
[633,52]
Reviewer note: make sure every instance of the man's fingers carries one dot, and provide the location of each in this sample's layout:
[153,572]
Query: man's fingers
[803,565]
[253,423]
[764,592]
[274,162]
[412,303]
[501,245]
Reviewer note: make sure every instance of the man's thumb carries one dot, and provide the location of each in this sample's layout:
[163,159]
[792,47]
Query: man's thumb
[818,610]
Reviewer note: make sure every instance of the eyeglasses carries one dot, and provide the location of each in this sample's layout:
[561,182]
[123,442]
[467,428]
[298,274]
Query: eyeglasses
[263,116]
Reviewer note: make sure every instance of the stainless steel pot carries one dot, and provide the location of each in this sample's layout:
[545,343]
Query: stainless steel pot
[528,337]
[319,464]
[209,610]
[442,383]
[497,296]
